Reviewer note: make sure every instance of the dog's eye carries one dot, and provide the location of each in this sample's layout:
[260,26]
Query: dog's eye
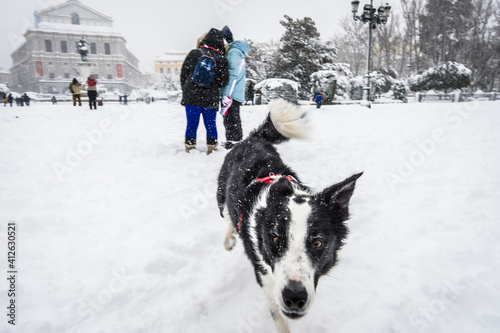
[276,239]
[317,244]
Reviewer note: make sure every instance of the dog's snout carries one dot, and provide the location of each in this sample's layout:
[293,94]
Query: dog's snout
[294,296]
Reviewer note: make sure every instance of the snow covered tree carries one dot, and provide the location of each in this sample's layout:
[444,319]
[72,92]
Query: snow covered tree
[450,75]
[411,54]
[435,29]
[351,42]
[257,59]
[301,53]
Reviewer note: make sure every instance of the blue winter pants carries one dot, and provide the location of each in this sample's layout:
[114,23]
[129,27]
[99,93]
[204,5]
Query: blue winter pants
[193,119]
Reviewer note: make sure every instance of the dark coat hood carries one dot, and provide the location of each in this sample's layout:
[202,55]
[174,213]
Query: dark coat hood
[215,39]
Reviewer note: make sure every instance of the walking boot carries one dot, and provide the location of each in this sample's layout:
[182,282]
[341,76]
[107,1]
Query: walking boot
[211,149]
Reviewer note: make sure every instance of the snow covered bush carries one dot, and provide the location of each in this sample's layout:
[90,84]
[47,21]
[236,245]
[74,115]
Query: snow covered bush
[380,83]
[399,91]
[356,88]
[4,89]
[450,75]
[333,81]
[278,88]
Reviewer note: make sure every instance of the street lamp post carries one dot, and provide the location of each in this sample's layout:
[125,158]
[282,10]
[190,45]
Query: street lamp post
[373,17]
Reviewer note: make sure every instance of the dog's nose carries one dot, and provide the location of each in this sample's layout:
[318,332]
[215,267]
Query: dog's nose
[294,296]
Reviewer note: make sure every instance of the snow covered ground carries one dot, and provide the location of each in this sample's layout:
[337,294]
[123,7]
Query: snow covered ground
[119,231]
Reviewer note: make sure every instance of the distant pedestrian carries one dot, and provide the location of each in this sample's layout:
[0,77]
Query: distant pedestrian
[319,99]
[92,91]
[10,99]
[249,92]
[125,99]
[76,90]
[54,100]
[26,99]
[4,100]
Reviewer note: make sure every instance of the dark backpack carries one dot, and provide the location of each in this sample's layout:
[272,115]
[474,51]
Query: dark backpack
[205,70]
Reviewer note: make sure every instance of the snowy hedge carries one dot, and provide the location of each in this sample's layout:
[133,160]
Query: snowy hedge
[4,89]
[451,75]
[333,81]
[380,83]
[278,88]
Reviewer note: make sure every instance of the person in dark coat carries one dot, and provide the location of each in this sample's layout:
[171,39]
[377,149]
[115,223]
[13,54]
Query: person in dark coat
[199,100]
[26,99]
[249,92]
[10,99]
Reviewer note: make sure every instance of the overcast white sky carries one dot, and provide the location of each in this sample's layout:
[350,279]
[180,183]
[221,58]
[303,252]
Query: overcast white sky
[152,27]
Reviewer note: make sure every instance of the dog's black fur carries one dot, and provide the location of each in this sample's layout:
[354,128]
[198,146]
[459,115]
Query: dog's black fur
[290,234]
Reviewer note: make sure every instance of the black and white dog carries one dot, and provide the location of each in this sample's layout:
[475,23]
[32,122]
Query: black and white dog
[290,233]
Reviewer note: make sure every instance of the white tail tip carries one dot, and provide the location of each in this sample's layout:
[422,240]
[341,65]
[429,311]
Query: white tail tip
[288,119]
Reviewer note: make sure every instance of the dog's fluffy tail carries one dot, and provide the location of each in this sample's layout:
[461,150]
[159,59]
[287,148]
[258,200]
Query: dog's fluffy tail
[285,121]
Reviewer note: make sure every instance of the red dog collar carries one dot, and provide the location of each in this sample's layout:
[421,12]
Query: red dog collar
[271,178]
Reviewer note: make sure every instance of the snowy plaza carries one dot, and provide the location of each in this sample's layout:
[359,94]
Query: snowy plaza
[118,228]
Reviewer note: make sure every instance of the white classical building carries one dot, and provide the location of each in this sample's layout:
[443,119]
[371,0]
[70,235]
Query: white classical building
[49,60]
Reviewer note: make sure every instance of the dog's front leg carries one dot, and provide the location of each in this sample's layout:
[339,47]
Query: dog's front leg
[279,321]
[230,240]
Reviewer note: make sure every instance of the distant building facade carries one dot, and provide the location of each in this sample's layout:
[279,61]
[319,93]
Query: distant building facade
[48,61]
[170,63]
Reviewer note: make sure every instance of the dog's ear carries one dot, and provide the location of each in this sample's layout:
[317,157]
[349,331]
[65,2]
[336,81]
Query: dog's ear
[338,195]
[281,188]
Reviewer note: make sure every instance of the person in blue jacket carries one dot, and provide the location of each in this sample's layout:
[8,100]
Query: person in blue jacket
[319,99]
[234,92]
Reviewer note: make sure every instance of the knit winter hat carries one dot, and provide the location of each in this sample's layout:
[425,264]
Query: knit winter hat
[228,35]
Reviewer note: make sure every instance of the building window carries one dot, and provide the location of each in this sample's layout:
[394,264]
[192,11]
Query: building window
[64,46]
[110,76]
[107,48]
[48,45]
[93,48]
[75,19]
[168,70]
[161,70]
[96,76]
[52,75]
[66,75]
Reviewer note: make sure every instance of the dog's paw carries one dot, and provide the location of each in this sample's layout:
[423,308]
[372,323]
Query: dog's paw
[229,242]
